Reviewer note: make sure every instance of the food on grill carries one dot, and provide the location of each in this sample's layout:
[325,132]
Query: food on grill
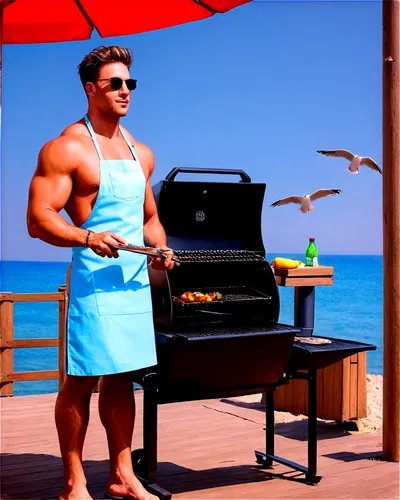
[196,297]
[312,340]
[282,263]
[188,297]
[215,295]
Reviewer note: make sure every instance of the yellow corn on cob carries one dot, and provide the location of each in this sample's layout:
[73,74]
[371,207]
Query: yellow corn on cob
[282,263]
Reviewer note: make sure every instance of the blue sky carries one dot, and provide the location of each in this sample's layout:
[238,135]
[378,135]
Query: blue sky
[260,88]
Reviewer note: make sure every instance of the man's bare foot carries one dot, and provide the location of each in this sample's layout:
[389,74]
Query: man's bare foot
[129,487]
[75,493]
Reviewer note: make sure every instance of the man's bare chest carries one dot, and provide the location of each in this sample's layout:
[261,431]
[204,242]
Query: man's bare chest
[87,172]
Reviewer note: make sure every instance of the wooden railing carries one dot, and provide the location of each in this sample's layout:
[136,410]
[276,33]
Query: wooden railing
[7,342]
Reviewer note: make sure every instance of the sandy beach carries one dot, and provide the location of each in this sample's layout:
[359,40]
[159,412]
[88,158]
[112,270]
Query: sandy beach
[372,422]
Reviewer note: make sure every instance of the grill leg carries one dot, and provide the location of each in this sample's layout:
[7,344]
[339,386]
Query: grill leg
[150,427]
[304,306]
[311,475]
[147,463]
[270,426]
[267,458]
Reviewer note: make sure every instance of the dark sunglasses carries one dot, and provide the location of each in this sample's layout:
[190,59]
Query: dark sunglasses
[116,82]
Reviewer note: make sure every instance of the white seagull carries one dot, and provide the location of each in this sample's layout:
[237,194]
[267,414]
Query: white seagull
[355,160]
[306,200]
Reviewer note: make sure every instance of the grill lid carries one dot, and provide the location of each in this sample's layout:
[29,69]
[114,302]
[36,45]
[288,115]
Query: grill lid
[211,215]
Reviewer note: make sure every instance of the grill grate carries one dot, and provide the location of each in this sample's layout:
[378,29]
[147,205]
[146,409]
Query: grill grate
[214,331]
[217,256]
[241,296]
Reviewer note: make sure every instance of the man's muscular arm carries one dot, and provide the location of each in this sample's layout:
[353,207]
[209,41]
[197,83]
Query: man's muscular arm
[50,189]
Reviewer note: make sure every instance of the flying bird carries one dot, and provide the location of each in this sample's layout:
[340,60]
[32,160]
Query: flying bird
[355,160]
[306,200]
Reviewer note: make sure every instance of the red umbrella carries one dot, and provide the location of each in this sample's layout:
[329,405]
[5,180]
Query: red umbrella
[41,21]
[37,21]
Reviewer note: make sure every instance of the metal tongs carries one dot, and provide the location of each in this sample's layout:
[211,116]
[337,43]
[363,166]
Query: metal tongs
[153,252]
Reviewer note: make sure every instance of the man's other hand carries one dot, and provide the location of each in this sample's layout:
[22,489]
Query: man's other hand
[164,264]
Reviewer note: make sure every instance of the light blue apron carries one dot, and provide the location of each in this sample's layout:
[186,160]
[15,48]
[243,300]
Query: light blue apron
[110,321]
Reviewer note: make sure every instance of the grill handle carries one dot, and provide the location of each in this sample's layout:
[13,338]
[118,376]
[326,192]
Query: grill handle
[193,170]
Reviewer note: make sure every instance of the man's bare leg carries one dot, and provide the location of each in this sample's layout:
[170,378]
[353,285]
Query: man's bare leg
[117,413]
[72,418]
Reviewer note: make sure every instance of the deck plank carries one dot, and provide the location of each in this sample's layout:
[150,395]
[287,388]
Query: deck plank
[213,458]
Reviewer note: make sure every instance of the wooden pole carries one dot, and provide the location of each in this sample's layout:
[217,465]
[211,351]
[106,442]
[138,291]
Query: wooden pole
[6,333]
[391,229]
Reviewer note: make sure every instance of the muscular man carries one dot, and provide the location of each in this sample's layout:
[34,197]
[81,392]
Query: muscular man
[100,175]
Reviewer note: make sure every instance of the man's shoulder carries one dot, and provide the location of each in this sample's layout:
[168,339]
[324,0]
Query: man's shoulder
[145,154]
[77,129]
[71,139]
[62,147]
[65,150]
[135,142]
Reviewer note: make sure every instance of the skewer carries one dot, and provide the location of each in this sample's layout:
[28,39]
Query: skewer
[153,252]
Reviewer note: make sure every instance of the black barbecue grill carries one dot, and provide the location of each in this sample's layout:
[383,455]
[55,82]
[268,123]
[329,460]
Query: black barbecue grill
[230,346]
[201,362]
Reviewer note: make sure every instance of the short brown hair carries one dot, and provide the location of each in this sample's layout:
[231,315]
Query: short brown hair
[90,66]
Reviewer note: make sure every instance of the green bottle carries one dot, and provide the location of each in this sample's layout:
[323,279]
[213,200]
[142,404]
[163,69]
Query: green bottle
[312,254]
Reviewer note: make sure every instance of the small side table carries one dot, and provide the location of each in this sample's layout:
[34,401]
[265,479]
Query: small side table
[304,280]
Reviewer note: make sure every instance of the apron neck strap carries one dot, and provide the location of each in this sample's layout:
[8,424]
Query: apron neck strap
[131,146]
[92,134]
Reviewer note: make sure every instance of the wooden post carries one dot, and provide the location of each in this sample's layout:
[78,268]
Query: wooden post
[62,318]
[391,228]
[6,333]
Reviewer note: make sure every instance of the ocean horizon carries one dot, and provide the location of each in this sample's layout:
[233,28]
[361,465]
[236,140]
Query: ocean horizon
[350,309]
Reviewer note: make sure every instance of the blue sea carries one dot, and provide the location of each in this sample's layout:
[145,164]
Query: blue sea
[351,309]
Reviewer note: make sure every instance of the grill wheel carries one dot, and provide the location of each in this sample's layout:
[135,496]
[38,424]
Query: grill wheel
[139,463]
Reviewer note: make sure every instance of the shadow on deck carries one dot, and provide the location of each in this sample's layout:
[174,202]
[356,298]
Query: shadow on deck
[206,450]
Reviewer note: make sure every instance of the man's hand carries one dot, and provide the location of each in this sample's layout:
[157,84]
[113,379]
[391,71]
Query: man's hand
[105,244]
[161,264]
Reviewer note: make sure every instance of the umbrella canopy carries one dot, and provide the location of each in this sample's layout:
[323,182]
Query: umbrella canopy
[40,21]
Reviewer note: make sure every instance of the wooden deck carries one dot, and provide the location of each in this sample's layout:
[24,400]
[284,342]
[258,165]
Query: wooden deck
[205,451]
